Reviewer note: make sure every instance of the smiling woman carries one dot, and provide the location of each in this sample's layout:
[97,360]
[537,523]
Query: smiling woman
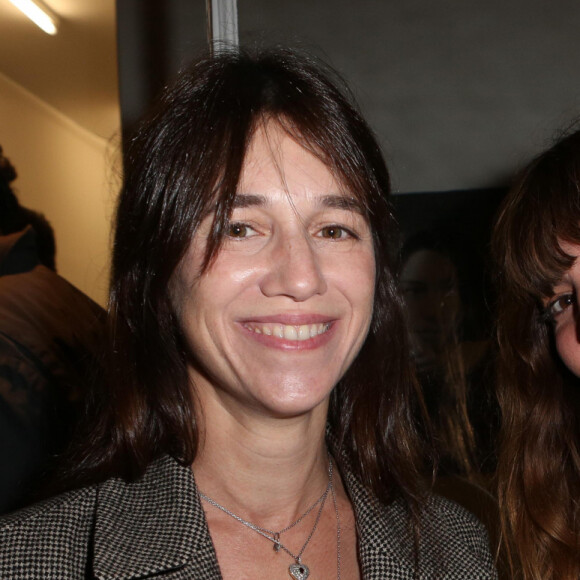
[286,305]
[259,413]
[536,245]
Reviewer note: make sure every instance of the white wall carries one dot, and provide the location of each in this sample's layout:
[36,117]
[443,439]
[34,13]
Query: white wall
[68,174]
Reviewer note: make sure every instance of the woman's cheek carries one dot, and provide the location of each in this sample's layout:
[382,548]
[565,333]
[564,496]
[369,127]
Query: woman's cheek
[568,345]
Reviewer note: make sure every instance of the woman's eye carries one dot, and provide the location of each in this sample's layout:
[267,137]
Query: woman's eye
[560,304]
[335,232]
[239,230]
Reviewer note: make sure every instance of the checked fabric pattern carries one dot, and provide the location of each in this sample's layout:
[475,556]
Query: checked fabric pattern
[155,527]
[453,543]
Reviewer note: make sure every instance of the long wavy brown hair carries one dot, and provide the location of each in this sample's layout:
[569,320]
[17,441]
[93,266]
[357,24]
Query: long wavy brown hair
[184,161]
[539,461]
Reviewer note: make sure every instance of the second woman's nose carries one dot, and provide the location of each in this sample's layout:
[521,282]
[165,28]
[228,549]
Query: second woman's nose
[294,268]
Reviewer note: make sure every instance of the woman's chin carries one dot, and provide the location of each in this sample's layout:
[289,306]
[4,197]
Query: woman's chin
[294,403]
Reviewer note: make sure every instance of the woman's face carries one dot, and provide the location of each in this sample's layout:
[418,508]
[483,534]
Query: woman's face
[283,310]
[429,284]
[563,309]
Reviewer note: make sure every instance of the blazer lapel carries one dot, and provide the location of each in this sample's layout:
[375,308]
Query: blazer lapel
[384,536]
[152,525]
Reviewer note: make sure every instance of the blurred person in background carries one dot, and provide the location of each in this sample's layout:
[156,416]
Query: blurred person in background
[454,369]
[50,337]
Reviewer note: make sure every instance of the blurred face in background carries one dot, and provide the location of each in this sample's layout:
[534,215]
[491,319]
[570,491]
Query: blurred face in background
[430,287]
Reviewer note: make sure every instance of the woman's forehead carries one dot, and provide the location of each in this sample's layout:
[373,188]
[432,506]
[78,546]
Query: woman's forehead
[276,164]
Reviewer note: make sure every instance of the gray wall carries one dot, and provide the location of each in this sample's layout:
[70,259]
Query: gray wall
[460,92]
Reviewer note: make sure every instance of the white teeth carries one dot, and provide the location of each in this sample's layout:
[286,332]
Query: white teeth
[288,332]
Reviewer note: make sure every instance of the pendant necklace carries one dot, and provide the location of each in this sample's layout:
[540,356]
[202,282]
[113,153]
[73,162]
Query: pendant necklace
[298,570]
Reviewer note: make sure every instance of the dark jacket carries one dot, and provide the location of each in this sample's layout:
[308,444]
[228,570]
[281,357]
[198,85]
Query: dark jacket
[155,527]
[50,336]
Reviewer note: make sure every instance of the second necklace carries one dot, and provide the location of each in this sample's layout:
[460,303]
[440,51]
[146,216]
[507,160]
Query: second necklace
[298,570]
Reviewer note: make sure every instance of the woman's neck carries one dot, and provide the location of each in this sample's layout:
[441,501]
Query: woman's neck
[263,469]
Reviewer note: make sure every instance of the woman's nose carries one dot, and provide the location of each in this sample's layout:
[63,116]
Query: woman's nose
[431,306]
[294,269]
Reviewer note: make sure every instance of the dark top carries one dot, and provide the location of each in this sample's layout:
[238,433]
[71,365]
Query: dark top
[50,335]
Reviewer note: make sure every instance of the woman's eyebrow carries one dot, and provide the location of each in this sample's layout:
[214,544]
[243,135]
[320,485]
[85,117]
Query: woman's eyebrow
[331,201]
[249,200]
[343,202]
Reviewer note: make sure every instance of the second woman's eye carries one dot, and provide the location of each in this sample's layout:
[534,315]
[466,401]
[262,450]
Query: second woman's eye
[558,305]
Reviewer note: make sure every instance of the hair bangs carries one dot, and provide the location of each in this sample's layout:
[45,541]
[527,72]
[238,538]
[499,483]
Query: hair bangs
[309,108]
[542,212]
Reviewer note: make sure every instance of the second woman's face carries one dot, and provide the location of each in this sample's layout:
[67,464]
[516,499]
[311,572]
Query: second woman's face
[563,309]
[283,310]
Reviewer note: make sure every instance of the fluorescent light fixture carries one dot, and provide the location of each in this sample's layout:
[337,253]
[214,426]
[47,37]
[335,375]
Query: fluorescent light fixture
[39,13]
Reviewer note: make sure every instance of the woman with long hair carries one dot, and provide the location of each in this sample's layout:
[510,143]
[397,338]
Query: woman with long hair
[433,293]
[536,244]
[259,413]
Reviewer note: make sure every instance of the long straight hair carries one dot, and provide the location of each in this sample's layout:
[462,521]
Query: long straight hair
[445,387]
[183,162]
[539,460]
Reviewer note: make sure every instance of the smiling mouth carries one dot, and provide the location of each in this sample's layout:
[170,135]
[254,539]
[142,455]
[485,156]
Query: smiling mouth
[298,333]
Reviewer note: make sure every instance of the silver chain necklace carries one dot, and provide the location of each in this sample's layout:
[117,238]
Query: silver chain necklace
[298,570]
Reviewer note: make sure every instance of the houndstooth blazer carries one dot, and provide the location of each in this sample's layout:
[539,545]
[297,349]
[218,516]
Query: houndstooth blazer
[155,527]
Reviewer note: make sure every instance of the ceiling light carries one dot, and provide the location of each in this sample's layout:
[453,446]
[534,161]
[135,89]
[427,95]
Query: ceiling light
[39,13]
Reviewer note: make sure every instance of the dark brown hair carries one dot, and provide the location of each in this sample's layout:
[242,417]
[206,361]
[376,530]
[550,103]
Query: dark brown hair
[445,384]
[185,160]
[539,463]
